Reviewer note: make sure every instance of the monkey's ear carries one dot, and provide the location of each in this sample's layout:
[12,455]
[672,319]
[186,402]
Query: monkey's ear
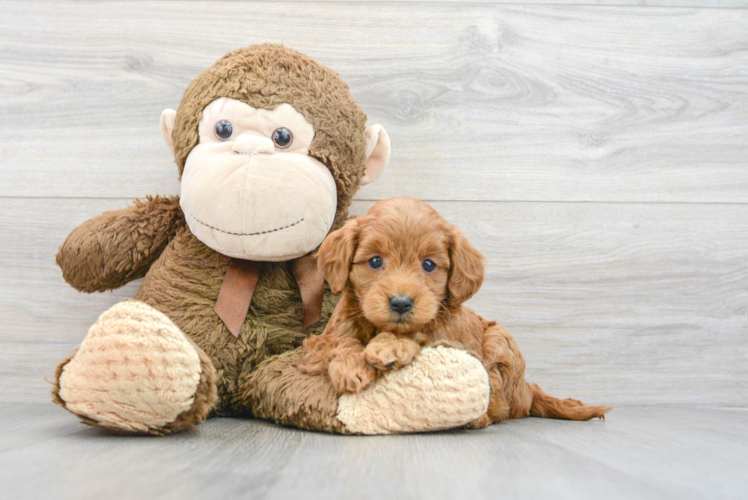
[466,268]
[335,254]
[377,153]
[168,118]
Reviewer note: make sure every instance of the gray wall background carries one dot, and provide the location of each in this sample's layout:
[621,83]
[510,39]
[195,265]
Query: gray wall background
[597,153]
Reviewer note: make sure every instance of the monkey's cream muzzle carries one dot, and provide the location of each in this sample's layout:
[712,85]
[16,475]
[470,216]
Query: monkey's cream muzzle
[246,198]
[252,144]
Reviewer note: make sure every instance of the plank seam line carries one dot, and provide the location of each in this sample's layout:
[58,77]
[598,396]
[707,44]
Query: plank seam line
[498,4]
[427,200]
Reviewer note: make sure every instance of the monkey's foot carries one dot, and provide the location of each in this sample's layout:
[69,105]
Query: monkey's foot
[442,388]
[137,373]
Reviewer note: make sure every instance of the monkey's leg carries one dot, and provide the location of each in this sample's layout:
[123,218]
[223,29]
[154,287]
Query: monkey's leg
[137,373]
[440,389]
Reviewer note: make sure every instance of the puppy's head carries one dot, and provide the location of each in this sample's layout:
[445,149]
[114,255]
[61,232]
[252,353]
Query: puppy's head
[403,262]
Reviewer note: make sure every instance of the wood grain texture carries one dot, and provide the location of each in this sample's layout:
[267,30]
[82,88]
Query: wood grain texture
[714,4]
[613,303]
[638,452]
[482,101]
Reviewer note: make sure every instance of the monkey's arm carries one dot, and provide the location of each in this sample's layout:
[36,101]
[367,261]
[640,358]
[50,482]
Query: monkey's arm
[440,389]
[117,247]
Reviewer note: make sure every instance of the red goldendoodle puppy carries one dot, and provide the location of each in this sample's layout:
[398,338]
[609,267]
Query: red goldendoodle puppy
[404,272]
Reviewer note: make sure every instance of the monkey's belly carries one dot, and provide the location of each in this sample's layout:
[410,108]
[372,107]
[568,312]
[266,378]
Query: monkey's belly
[185,289]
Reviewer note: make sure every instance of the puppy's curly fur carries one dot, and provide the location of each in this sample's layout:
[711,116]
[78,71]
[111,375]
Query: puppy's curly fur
[404,273]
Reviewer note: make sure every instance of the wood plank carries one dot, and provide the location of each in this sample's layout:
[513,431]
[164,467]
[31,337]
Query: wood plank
[613,303]
[506,461]
[483,102]
[29,424]
[717,4]
[698,437]
[638,452]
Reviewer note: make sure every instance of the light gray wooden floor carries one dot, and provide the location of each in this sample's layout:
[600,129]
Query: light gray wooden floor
[678,452]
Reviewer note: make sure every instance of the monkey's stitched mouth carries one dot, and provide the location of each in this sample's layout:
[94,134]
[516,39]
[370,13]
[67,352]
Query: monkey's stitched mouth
[248,234]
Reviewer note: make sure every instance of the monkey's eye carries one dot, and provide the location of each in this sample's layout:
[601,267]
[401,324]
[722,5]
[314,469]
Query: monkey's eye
[282,138]
[224,130]
[428,266]
[375,262]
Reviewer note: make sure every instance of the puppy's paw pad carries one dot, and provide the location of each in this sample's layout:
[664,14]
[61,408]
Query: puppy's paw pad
[390,355]
[379,357]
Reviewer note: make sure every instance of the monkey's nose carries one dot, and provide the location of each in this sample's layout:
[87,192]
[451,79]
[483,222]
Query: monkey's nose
[253,144]
[401,304]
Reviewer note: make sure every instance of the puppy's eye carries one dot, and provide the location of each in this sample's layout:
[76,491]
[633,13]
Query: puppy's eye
[428,266]
[375,262]
[224,130]
[282,138]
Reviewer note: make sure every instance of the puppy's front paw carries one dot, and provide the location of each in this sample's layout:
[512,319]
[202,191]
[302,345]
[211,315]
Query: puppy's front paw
[387,352]
[349,374]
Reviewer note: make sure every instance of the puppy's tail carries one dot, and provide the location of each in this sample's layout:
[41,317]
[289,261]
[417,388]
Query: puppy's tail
[547,406]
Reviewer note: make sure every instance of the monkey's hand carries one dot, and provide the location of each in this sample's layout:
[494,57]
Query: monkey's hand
[117,247]
[440,389]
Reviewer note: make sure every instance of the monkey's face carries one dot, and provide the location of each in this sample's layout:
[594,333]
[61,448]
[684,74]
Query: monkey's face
[250,190]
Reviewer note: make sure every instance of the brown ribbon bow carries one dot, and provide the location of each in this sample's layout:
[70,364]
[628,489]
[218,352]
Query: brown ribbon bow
[241,279]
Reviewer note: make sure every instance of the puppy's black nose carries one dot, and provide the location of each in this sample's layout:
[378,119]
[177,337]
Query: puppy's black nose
[401,304]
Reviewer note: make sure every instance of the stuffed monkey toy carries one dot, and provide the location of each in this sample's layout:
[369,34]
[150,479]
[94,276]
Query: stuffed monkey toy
[271,148]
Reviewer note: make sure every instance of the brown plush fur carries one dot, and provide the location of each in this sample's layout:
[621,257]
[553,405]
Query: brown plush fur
[184,284]
[367,337]
[119,246]
[276,390]
[183,276]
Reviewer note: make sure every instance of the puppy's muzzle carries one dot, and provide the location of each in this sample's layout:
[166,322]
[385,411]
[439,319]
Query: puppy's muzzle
[401,304]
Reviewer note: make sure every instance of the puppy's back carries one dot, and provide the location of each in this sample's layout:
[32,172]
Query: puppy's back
[460,325]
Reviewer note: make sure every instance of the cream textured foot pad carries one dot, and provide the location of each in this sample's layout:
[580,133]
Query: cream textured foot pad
[442,388]
[135,370]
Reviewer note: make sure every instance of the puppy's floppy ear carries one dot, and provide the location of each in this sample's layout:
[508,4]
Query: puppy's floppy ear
[335,254]
[466,268]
